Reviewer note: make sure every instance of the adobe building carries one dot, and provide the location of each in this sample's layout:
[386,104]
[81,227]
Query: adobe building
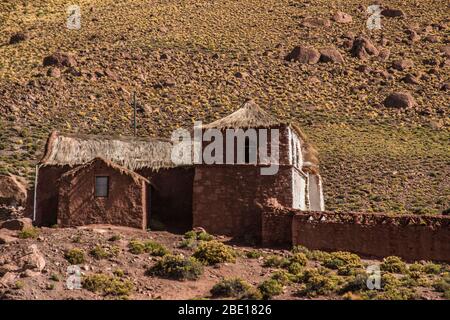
[133,181]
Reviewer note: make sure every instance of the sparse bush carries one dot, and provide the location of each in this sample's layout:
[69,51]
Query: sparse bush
[155,249]
[198,235]
[282,277]
[151,247]
[318,255]
[115,237]
[136,247]
[355,283]
[254,254]
[295,268]
[28,233]
[416,267]
[54,277]
[301,249]
[188,244]
[75,256]
[213,252]
[119,273]
[318,282]
[19,285]
[442,284]
[393,264]
[432,268]
[299,258]
[107,285]
[231,288]
[270,288]
[98,252]
[340,259]
[274,261]
[177,267]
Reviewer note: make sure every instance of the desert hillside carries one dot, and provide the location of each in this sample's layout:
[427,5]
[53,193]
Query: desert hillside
[200,60]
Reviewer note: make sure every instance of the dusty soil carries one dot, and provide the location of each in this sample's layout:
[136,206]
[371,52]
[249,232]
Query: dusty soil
[53,243]
[199,60]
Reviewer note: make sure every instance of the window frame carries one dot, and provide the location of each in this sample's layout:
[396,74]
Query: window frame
[107,186]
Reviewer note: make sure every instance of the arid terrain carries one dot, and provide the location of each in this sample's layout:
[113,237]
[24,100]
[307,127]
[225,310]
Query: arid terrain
[112,253]
[374,102]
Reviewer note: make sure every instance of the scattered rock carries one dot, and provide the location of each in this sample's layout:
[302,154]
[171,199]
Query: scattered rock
[413,35]
[6,238]
[316,22]
[241,75]
[363,47]
[400,100]
[446,51]
[342,17]
[13,191]
[445,87]
[331,55]
[411,79]
[29,274]
[54,72]
[392,13]
[33,260]
[111,74]
[17,224]
[60,59]
[384,54]
[18,37]
[432,39]
[304,54]
[402,64]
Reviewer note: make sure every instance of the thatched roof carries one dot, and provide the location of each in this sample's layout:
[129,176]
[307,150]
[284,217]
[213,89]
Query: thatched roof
[249,116]
[130,152]
[253,116]
[136,177]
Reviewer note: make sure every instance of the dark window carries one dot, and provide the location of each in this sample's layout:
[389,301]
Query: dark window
[101,186]
[247,150]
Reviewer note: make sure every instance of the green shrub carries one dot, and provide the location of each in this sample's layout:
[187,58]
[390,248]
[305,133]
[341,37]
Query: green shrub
[75,256]
[213,252]
[198,235]
[299,258]
[254,254]
[28,233]
[114,238]
[107,285]
[318,255]
[341,259]
[393,264]
[54,277]
[177,267]
[432,268]
[188,244]
[318,282]
[295,268]
[231,288]
[282,277]
[301,249]
[155,249]
[136,247]
[442,284]
[99,252]
[416,267]
[270,288]
[274,261]
[151,247]
[119,273]
[349,269]
[19,285]
[355,283]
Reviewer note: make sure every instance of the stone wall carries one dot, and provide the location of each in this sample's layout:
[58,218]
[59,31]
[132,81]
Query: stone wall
[276,228]
[408,236]
[227,199]
[124,206]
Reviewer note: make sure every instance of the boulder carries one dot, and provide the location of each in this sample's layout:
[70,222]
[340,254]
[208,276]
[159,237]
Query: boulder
[18,37]
[331,55]
[33,260]
[13,191]
[399,100]
[17,224]
[304,54]
[384,54]
[342,17]
[315,22]
[54,72]
[411,79]
[392,13]
[402,64]
[6,238]
[362,48]
[60,59]
[446,51]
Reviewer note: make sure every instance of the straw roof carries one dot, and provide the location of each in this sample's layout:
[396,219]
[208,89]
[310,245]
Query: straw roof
[130,152]
[249,116]
[136,177]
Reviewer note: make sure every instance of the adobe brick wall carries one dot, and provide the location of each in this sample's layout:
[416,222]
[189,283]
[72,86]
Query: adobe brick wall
[276,229]
[408,236]
[125,205]
[227,198]
[47,195]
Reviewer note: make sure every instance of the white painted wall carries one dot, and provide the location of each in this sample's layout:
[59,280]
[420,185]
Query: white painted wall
[295,149]
[298,190]
[315,193]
